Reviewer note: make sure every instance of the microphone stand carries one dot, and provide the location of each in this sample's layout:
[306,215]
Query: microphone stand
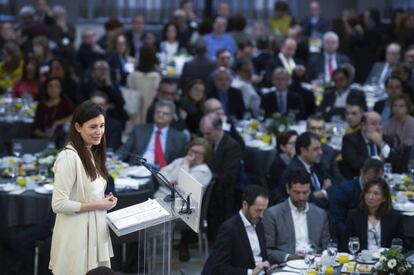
[169,198]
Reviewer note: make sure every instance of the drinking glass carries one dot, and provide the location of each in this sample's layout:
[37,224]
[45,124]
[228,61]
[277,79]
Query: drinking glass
[310,256]
[387,170]
[43,171]
[17,149]
[332,248]
[397,244]
[353,245]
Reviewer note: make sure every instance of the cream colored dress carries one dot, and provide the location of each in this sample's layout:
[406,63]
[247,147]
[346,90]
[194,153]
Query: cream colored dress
[80,240]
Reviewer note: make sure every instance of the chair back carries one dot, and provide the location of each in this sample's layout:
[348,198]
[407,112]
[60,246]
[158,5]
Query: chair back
[31,145]
[206,203]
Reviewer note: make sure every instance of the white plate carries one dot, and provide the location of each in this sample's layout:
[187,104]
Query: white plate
[350,257]
[285,273]
[406,207]
[297,264]
[8,187]
[43,190]
[362,261]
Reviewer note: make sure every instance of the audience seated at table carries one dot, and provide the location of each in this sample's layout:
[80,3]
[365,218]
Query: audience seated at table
[42,53]
[53,111]
[219,39]
[231,98]
[225,166]
[316,125]
[345,196]
[306,94]
[315,24]
[367,142]
[295,225]
[393,87]
[11,66]
[282,19]
[241,245]
[381,70]
[281,99]
[167,91]
[308,157]
[135,35]
[244,82]
[157,142]
[335,99]
[285,151]
[170,46]
[327,61]
[374,222]
[194,99]
[354,112]
[119,59]
[89,50]
[29,82]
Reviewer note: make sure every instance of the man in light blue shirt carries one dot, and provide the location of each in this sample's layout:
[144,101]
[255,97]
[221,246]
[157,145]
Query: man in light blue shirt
[218,39]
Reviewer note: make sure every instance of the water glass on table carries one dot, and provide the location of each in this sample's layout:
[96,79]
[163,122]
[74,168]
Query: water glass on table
[397,244]
[353,245]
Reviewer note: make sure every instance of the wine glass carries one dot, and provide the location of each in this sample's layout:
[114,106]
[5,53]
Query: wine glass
[310,256]
[17,149]
[397,244]
[353,245]
[332,248]
[43,172]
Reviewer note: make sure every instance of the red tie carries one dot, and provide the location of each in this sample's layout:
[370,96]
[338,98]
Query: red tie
[330,66]
[159,155]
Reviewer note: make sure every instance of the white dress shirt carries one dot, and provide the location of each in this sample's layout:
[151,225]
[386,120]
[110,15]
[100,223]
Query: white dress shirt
[340,98]
[374,236]
[253,240]
[385,150]
[149,154]
[287,63]
[301,226]
[250,97]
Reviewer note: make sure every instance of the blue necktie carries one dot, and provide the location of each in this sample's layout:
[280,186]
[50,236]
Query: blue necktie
[372,152]
[315,181]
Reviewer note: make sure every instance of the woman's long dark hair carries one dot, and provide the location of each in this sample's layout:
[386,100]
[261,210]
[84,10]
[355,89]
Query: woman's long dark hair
[386,206]
[84,112]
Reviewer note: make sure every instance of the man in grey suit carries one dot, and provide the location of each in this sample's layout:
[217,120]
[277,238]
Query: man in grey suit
[381,70]
[144,138]
[294,226]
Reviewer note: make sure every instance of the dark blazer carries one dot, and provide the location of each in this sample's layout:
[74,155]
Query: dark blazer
[198,68]
[113,133]
[380,105]
[270,106]
[329,164]
[225,166]
[139,138]
[235,104]
[85,56]
[342,198]
[116,66]
[327,105]
[355,152]
[316,64]
[296,164]
[232,253]
[357,225]
[321,26]
[276,170]
[307,96]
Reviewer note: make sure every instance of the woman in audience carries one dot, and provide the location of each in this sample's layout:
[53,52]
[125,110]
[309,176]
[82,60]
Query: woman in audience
[198,152]
[401,124]
[285,152]
[170,46]
[193,102]
[29,83]
[374,222]
[393,87]
[81,239]
[42,53]
[11,67]
[53,111]
[71,85]
[121,63]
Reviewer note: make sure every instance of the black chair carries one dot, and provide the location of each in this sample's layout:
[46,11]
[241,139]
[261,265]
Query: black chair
[31,145]
[202,234]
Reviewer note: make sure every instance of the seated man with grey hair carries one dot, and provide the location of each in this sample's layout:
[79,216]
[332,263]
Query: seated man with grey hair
[329,60]
[231,98]
[157,142]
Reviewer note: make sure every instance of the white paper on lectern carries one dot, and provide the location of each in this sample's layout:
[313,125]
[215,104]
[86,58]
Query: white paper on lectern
[137,214]
[187,185]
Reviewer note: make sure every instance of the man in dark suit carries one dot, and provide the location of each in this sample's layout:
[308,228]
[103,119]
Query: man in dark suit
[381,70]
[159,143]
[294,225]
[306,94]
[240,247]
[231,98]
[285,59]
[346,196]
[225,166]
[367,142]
[316,125]
[393,87]
[329,60]
[280,99]
[314,25]
[135,35]
[198,68]
[308,157]
[335,99]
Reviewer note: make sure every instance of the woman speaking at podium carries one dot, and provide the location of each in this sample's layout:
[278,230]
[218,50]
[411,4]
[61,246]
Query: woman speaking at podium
[81,239]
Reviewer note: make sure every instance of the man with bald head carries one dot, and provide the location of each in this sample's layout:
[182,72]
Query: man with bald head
[225,166]
[285,59]
[382,70]
[89,51]
[329,60]
[367,142]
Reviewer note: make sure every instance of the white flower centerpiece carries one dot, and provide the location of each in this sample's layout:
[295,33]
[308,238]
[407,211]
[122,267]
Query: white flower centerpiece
[392,261]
